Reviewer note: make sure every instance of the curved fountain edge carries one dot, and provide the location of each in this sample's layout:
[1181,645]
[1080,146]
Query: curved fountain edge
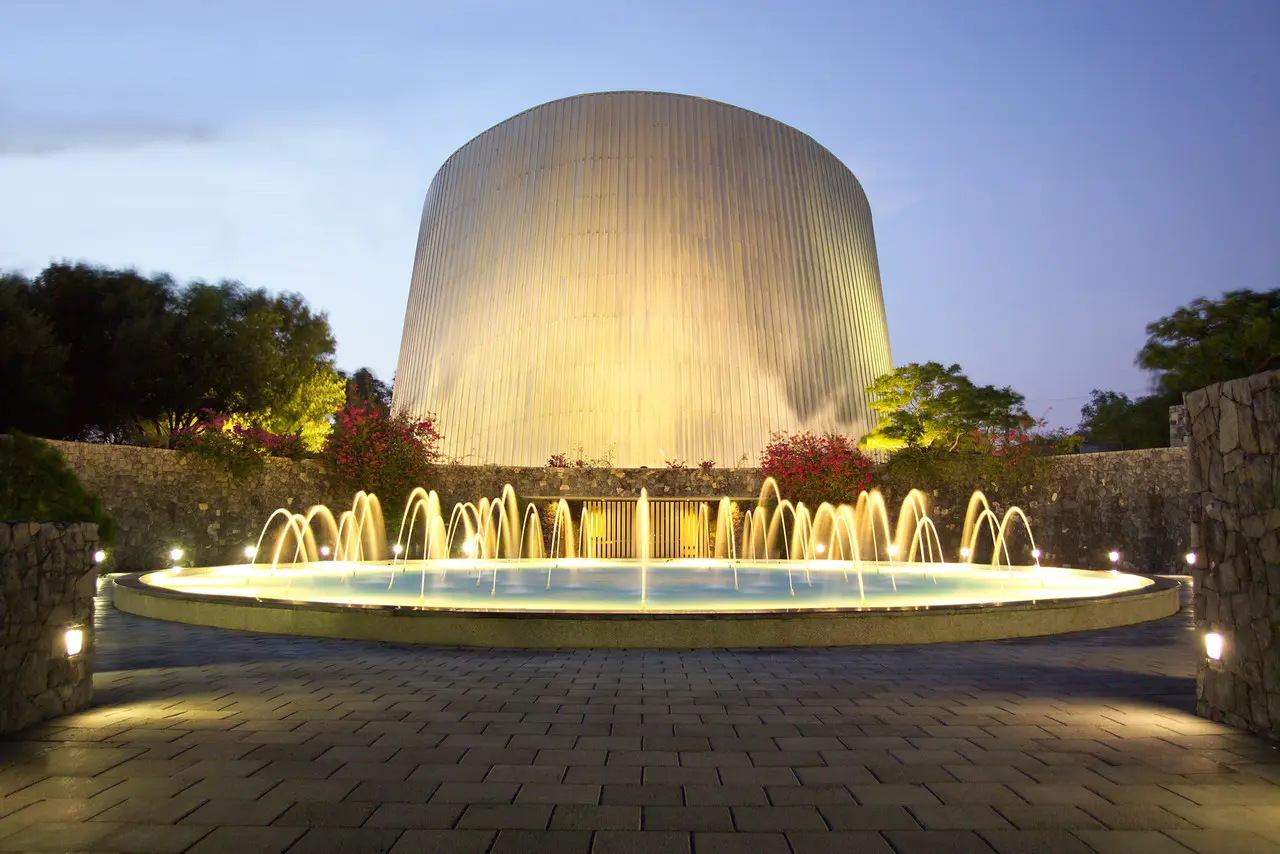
[734,630]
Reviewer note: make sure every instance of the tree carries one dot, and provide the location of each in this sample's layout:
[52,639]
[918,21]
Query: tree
[33,387]
[1112,421]
[145,358]
[1209,341]
[365,388]
[308,412]
[929,406]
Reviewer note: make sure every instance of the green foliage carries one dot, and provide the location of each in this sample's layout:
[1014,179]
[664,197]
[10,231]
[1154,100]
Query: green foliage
[33,388]
[1209,341]
[37,486]
[1114,422]
[306,412]
[144,358]
[926,406]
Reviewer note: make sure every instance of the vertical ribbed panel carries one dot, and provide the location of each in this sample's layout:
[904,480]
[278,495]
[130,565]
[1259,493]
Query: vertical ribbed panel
[657,274]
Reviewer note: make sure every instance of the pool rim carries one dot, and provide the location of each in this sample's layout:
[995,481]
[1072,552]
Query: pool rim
[808,627]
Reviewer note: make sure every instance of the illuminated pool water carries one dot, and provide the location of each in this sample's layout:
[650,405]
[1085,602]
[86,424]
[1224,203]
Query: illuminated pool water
[673,586]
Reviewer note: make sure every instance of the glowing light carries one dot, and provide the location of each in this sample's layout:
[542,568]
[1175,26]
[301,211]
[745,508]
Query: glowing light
[1114,557]
[250,552]
[324,551]
[819,548]
[893,550]
[1213,646]
[1191,558]
[1035,553]
[99,556]
[469,548]
[396,549]
[175,553]
[964,553]
[74,641]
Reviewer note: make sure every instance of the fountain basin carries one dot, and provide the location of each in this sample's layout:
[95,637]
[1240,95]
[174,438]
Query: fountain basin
[665,604]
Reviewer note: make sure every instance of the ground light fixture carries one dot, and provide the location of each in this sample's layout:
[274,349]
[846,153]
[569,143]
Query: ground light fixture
[250,552]
[1035,553]
[324,551]
[175,554]
[964,553]
[1191,558]
[893,551]
[819,548]
[1213,646]
[1113,556]
[395,549]
[469,548]
[73,640]
[99,556]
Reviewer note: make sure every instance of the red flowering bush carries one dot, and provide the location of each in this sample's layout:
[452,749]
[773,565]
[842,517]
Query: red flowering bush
[557,461]
[674,464]
[707,465]
[238,449]
[385,454]
[814,469]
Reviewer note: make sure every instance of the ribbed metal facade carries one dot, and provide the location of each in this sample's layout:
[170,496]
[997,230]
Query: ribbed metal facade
[656,276]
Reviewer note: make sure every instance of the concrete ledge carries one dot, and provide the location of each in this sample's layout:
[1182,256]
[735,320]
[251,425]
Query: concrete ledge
[651,631]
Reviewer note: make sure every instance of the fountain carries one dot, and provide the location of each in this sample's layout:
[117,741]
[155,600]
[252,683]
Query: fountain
[786,574]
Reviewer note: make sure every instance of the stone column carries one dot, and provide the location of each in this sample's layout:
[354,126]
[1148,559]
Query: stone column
[48,579]
[1234,456]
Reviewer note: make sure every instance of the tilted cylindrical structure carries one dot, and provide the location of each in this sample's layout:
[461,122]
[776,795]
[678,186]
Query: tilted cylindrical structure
[645,276]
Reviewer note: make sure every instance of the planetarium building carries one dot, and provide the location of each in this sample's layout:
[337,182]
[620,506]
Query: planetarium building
[643,276]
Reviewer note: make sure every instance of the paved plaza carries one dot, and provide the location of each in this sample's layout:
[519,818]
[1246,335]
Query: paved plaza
[204,740]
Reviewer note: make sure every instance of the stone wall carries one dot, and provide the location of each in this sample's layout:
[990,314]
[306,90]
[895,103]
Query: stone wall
[1132,501]
[1235,485]
[47,585]
[159,498]
[467,483]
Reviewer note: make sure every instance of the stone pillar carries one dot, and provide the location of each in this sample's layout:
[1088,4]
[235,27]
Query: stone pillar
[1234,456]
[1179,426]
[48,579]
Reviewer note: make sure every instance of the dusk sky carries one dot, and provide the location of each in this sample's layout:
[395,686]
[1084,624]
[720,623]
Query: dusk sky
[1046,178]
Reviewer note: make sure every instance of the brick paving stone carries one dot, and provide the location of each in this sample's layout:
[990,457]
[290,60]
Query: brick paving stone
[1047,816]
[414,815]
[757,819]
[593,817]
[875,817]
[642,796]
[234,811]
[1137,817]
[1131,842]
[535,842]
[938,842]
[259,840]
[346,840]
[693,818]
[1035,842]
[1224,841]
[838,842]
[325,814]
[640,842]
[708,796]
[57,836]
[151,839]
[558,793]
[740,843]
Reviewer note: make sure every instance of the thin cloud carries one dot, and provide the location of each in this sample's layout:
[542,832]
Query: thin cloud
[31,136]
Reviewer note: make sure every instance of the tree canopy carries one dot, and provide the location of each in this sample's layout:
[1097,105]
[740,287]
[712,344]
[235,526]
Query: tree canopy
[931,406]
[1209,341]
[1112,421]
[365,388]
[121,356]
[1201,343]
